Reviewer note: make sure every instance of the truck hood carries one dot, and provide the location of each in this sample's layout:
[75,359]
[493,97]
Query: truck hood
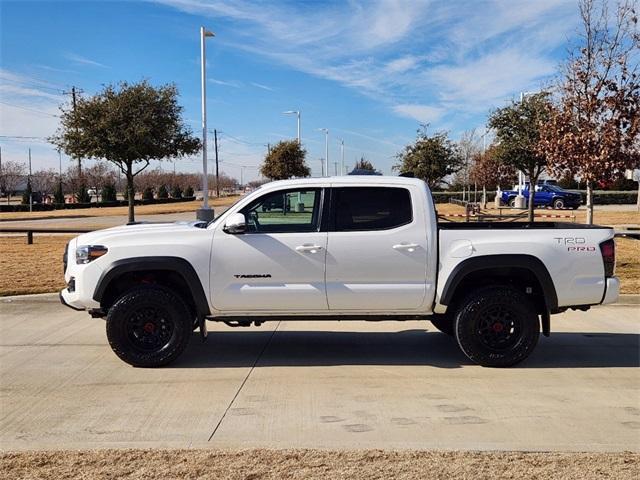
[142,228]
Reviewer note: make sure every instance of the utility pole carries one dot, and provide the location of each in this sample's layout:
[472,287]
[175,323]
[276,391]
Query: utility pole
[75,91]
[215,142]
[342,156]
[335,169]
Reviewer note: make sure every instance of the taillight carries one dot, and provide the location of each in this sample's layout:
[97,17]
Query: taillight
[608,250]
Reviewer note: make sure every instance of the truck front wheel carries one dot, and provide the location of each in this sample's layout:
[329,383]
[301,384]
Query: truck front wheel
[497,326]
[149,326]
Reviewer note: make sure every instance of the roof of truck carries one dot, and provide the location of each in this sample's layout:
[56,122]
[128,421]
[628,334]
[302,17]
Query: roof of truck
[349,180]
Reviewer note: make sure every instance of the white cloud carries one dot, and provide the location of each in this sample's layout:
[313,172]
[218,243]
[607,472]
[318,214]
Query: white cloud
[226,83]
[80,60]
[263,87]
[456,57]
[421,113]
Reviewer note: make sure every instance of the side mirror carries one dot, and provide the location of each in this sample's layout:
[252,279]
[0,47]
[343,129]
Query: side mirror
[235,224]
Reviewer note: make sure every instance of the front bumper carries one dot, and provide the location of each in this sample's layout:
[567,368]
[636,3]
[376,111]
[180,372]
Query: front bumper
[612,291]
[65,303]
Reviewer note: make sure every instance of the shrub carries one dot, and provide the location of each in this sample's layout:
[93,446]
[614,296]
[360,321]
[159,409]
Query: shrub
[176,192]
[58,194]
[108,193]
[188,192]
[27,195]
[82,196]
[147,194]
[163,192]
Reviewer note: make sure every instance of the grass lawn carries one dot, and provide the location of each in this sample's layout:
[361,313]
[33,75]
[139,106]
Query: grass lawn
[316,464]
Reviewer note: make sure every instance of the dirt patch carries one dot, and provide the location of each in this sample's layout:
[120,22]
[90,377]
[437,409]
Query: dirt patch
[320,464]
[109,211]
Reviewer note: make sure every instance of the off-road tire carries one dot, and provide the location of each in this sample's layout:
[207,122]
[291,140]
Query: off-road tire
[168,315]
[484,341]
[558,204]
[444,323]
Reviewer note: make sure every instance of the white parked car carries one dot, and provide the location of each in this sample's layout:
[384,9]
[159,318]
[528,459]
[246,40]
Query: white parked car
[338,248]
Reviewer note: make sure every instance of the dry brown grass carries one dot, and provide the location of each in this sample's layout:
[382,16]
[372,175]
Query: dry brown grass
[316,464]
[628,264]
[33,268]
[108,211]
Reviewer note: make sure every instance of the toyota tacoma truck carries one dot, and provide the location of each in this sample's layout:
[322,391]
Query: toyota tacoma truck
[342,248]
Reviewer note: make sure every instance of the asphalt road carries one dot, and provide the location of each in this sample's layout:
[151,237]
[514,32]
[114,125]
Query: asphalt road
[317,384]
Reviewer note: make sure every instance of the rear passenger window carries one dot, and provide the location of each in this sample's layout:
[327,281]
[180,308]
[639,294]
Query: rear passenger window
[371,208]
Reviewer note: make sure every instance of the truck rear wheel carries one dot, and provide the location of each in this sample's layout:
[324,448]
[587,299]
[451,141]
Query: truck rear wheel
[558,204]
[149,326]
[497,326]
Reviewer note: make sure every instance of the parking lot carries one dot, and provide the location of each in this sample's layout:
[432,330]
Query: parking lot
[318,384]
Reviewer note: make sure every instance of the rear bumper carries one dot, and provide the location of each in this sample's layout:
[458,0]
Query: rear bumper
[612,291]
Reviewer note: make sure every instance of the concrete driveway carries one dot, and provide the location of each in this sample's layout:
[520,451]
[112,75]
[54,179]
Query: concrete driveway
[317,384]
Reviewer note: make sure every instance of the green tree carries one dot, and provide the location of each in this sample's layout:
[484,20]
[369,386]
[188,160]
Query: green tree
[285,160]
[430,157]
[364,164]
[147,193]
[517,131]
[82,195]
[163,192]
[28,193]
[176,192]
[128,125]
[58,194]
[108,193]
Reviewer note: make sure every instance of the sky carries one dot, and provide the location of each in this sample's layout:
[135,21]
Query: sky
[370,71]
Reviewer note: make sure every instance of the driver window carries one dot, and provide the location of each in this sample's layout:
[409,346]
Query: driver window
[284,211]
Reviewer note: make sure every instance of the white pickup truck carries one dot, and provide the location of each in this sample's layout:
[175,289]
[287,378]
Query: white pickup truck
[347,248]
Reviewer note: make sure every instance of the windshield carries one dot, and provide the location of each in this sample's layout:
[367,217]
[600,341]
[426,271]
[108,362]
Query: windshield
[225,210]
[553,188]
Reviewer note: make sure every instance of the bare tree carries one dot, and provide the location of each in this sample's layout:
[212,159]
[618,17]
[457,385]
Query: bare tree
[44,181]
[594,131]
[11,174]
[99,175]
[469,148]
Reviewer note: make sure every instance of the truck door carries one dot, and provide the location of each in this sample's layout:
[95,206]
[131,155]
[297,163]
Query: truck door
[278,263]
[377,250]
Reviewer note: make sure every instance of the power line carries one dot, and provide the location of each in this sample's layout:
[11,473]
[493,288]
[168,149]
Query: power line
[30,109]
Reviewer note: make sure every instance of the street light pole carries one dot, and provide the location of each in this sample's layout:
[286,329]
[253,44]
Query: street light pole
[205,213]
[341,156]
[326,150]
[297,114]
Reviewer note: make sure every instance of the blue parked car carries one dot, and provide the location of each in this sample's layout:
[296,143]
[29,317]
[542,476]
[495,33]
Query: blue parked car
[545,196]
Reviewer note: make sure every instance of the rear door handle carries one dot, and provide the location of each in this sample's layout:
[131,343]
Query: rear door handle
[308,248]
[410,247]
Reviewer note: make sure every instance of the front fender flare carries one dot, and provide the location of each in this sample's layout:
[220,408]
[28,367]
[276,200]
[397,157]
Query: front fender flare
[174,264]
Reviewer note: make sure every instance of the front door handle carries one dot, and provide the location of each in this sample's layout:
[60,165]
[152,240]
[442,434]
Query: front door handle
[308,248]
[410,247]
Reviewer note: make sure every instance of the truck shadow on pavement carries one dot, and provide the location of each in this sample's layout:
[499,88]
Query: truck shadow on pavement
[409,347]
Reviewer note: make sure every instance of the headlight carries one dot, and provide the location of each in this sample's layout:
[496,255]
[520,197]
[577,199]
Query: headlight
[88,253]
